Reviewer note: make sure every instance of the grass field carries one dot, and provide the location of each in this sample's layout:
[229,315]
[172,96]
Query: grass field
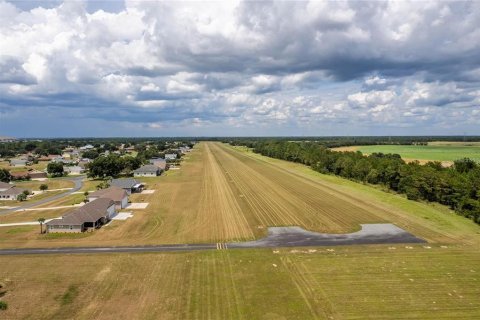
[223,194]
[375,282]
[440,151]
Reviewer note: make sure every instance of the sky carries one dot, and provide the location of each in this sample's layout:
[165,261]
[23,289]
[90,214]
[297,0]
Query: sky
[236,68]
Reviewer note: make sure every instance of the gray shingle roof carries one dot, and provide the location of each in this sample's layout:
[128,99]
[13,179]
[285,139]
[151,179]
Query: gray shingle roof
[91,212]
[148,168]
[124,183]
[115,193]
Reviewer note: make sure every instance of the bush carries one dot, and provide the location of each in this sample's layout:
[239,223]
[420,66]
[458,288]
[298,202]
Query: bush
[3,305]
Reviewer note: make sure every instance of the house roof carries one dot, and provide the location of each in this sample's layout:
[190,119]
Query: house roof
[19,174]
[12,191]
[114,193]
[73,168]
[125,183]
[18,161]
[148,168]
[91,212]
[4,185]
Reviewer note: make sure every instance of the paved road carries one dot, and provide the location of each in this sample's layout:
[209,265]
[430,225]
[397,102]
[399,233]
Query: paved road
[78,185]
[278,237]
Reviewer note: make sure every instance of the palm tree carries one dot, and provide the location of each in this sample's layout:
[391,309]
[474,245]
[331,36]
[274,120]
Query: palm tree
[41,221]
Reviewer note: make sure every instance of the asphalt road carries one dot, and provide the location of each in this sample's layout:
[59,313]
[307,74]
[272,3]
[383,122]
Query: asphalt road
[278,237]
[78,185]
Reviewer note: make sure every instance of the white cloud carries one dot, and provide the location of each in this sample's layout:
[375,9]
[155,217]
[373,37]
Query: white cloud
[243,63]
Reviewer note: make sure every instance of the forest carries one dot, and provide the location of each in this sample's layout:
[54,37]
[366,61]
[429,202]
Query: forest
[457,187]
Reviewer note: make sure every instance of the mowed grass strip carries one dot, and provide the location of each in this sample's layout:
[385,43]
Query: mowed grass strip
[376,282]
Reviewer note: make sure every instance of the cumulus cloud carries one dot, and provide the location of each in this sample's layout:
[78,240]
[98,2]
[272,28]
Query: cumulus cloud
[313,66]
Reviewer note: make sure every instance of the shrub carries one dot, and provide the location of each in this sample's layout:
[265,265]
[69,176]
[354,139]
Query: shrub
[3,305]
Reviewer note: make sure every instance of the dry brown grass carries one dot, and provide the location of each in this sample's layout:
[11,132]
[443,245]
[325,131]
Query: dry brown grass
[346,283]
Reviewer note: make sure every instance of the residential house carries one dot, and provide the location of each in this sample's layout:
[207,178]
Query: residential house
[159,162]
[170,156]
[89,217]
[9,191]
[35,174]
[184,149]
[86,147]
[74,170]
[118,195]
[18,162]
[50,157]
[128,184]
[148,170]
[20,175]
[66,155]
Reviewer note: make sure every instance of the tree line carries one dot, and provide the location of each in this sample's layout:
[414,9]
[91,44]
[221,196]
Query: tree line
[457,187]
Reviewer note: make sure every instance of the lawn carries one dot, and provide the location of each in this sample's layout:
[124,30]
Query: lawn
[375,282]
[432,152]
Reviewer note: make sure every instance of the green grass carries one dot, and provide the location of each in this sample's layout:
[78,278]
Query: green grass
[430,152]
[69,296]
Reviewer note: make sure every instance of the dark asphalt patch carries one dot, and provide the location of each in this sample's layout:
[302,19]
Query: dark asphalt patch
[382,233]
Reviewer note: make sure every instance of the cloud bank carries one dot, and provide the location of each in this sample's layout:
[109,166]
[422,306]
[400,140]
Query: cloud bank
[239,68]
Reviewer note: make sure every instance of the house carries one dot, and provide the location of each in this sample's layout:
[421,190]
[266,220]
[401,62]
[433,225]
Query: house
[128,184]
[184,149]
[170,156]
[159,162]
[74,170]
[18,162]
[50,157]
[86,147]
[118,195]
[91,216]
[9,191]
[20,175]
[148,170]
[35,174]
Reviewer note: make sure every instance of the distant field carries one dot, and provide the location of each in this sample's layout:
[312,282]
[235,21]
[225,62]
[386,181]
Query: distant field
[434,152]
[374,282]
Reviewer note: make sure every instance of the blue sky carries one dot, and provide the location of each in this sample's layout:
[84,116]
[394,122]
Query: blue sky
[156,68]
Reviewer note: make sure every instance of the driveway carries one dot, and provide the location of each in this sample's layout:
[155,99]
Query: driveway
[78,185]
[384,233]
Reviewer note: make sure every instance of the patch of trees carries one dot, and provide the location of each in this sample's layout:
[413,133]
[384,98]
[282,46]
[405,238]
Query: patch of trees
[112,165]
[91,154]
[55,169]
[457,187]
[5,175]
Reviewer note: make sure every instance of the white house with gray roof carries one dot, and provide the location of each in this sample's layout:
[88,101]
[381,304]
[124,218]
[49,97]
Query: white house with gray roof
[148,170]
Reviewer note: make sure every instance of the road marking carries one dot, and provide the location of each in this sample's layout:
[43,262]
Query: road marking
[221,246]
